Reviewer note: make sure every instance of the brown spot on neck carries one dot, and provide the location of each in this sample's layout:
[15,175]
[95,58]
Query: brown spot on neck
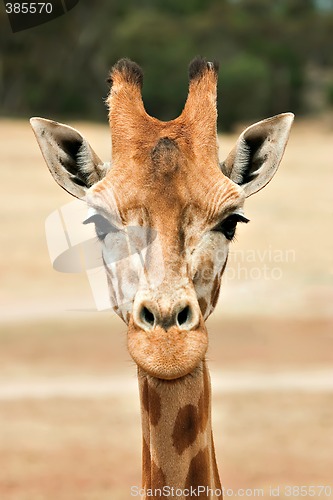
[157,477]
[146,465]
[186,429]
[198,474]
[152,402]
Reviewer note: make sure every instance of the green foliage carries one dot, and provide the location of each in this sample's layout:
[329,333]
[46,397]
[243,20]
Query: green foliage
[245,90]
[59,69]
[329,94]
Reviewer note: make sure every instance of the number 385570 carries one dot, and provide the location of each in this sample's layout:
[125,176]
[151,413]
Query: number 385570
[28,8]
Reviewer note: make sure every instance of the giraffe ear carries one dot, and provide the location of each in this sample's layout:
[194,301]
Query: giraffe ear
[258,152]
[69,157]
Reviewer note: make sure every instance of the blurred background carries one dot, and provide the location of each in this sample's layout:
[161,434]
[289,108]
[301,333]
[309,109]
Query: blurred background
[69,406]
[273,56]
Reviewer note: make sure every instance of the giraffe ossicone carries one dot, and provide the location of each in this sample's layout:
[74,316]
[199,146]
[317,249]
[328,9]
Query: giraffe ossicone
[166,182]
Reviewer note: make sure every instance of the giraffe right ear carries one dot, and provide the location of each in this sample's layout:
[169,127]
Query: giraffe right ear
[258,152]
[69,157]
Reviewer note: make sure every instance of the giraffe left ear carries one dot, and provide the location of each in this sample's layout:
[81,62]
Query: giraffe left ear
[258,152]
[70,158]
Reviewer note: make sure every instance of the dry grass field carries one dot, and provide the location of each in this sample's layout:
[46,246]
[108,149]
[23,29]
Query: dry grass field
[69,408]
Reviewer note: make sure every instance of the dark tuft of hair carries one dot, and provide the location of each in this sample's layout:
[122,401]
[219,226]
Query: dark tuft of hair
[198,66]
[165,157]
[131,72]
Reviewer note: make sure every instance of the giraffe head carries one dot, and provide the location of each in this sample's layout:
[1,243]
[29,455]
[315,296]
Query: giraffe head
[165,186]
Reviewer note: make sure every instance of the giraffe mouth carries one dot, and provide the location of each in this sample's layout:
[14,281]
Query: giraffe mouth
[167,354]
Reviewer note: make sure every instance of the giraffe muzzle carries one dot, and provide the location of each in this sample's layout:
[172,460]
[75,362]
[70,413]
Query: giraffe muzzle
[167,344]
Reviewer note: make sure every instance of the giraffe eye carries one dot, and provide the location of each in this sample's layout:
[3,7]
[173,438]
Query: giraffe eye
[102,226]
[228,225]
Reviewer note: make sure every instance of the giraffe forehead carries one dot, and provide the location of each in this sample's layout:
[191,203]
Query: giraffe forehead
[170,194]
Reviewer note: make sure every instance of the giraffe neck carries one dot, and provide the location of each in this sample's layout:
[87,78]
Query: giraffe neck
[178,448]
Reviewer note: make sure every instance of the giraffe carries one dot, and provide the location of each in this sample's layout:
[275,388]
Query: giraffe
[166,176]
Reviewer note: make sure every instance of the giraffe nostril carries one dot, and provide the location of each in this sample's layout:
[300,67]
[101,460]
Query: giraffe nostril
[150,317]
[147,316]
[184,316]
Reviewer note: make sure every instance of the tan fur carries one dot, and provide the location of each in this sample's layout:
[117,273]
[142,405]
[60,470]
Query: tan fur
[181,435]
[135,133]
